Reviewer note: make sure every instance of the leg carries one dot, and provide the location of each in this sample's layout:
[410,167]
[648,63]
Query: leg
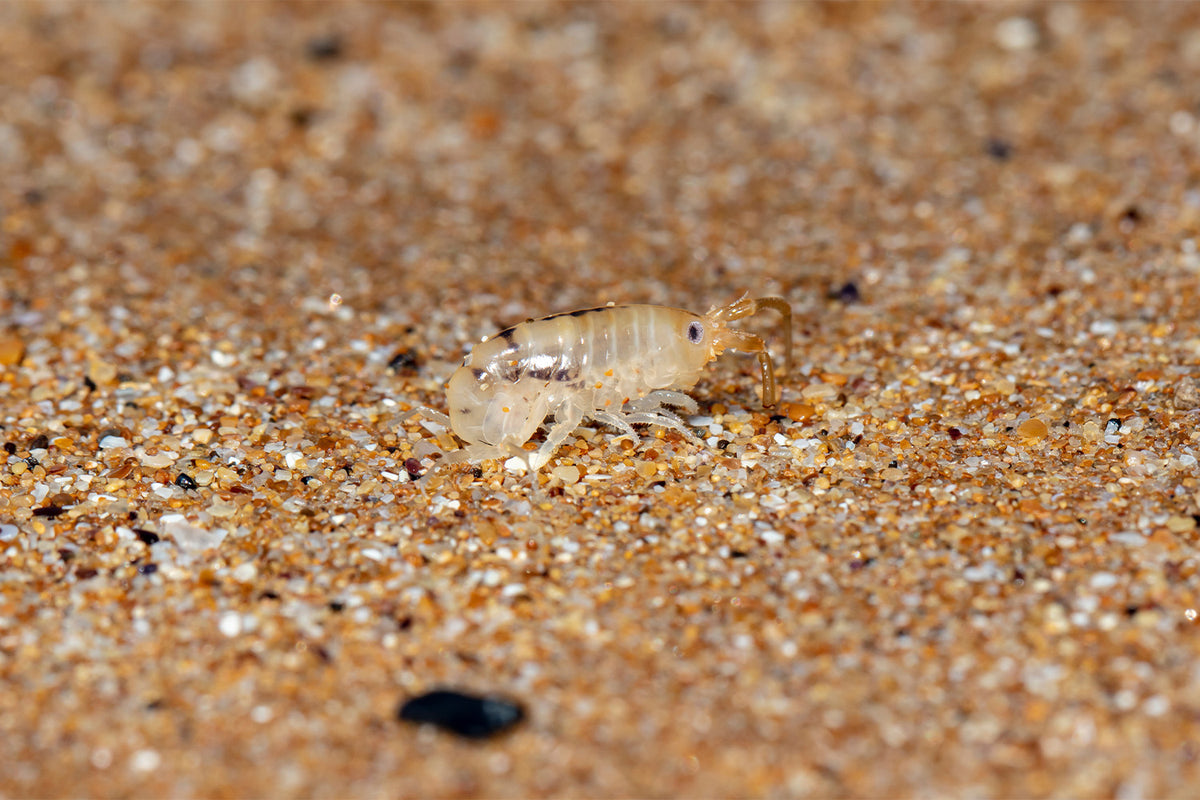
[662,418]
[654,401]
[428,413]
[614,421]
[566,419]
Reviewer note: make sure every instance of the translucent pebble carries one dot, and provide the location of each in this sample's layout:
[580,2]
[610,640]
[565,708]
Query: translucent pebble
[193,539]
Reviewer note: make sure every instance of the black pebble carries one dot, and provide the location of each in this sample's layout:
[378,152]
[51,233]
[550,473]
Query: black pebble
[466,715]
[404,361]
[49,511]
[147,537]
[848,293]
[147,569]
[40,442]
[324,48]
[999,149]
[185,481]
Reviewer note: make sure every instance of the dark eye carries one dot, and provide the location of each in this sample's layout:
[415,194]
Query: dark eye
[695,332]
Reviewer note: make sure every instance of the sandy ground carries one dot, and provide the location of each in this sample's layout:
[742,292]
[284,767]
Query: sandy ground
[240,240]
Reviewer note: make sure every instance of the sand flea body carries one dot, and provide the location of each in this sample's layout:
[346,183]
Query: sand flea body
[617,365]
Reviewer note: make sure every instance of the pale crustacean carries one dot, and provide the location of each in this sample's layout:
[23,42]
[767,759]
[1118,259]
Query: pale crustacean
[618,365]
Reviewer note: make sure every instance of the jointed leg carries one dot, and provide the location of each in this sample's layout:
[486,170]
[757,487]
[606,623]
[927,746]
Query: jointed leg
[425,411]
[654,401]
[662,418]
[566,420]
[614,420]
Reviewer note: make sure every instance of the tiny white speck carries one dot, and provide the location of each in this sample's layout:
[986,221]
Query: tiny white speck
[1017,33]
[1181,123]
[1103,580]
[1156,706]
[230,624]
[222,359]
[145,761]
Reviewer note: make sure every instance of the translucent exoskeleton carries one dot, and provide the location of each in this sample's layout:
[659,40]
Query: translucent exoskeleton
[618,365]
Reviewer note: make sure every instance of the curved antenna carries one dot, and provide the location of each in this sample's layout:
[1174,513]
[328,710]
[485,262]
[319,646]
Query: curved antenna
[749,343]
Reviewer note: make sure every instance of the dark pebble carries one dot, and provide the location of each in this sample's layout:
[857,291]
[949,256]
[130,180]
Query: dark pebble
[185,481]
[466,715]
[147,569]
[848,293]
[48,511]
[404,361]
[147,537]
[955,434]
[40,442]
[302,117]
[324,48]
[999,149]
[413,468]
